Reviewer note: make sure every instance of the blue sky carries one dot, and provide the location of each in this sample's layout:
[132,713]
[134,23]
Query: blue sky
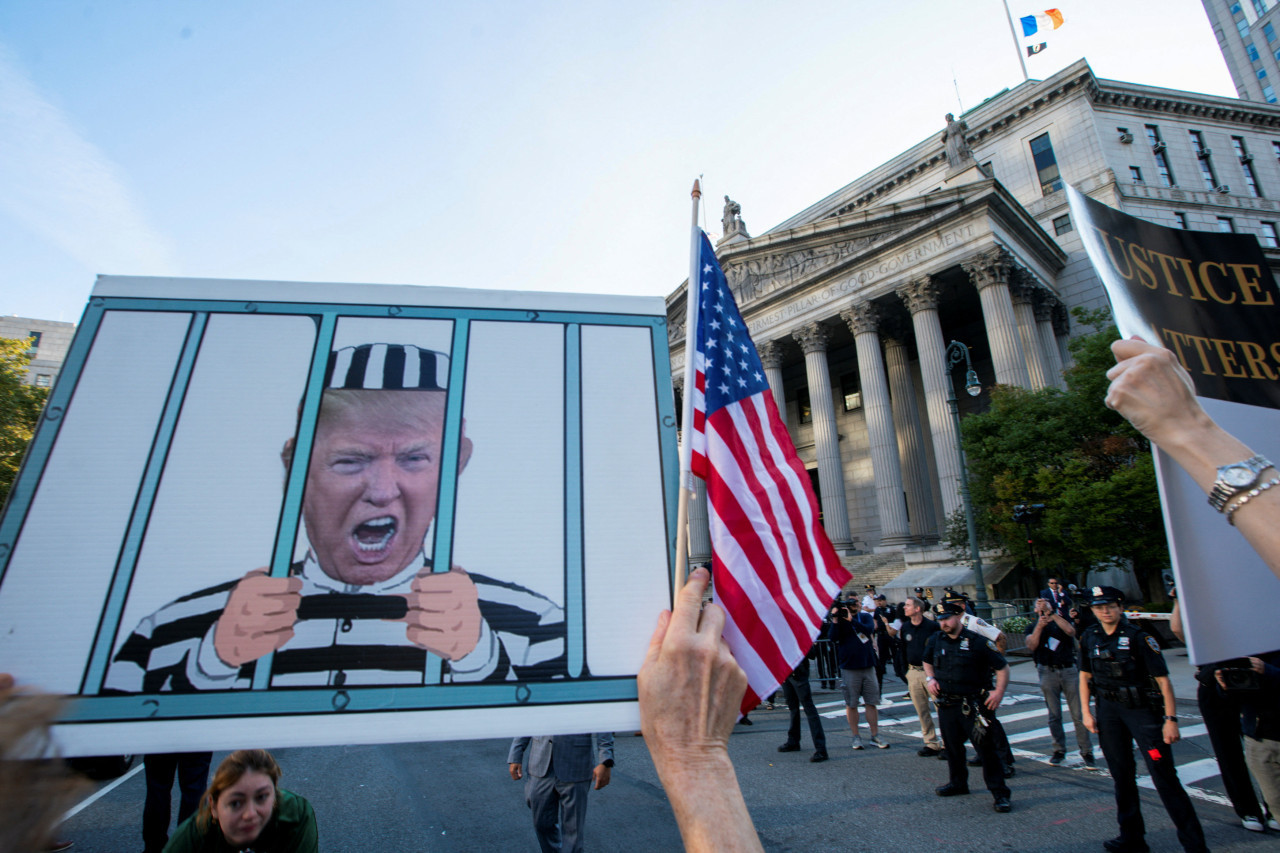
[520,145]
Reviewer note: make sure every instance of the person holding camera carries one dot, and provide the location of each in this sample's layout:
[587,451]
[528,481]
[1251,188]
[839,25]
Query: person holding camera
[958,667]
[1123,667]
[1256,680]
[1053,648]
[854,632]
[1221,710]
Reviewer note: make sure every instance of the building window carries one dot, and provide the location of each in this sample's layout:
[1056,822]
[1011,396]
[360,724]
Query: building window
[1252,51]
[803,410]
[1277,55]
[1182,219]
[1242,27]
[1206,163]
[1135,174]
[43,380]
[1061,225]
[1262,74]
[1270,32]
[1246,165]
[34,338]
[1235,9]
[1157,149]
[851,388]
[1269,92]
[1275,149]
[1269,236]
[1260,6]
[1225,225]
[1046,164]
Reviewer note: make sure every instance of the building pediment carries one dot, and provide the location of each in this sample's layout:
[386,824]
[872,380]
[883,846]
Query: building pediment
[880,242]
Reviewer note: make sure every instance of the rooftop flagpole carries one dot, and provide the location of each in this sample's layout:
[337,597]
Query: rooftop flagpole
[1017,45]
[686,422]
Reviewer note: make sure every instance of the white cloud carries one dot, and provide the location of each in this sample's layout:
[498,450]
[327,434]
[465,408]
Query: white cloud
[62,187]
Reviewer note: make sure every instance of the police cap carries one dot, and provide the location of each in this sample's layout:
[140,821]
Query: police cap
[944,609]
[1105,595]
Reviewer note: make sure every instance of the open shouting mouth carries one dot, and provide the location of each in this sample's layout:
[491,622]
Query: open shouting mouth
[373,536]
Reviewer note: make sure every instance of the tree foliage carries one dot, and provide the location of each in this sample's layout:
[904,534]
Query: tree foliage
[20,407]
[1065,449]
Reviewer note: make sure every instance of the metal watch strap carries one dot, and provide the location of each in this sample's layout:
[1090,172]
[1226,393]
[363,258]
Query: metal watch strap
[1222,492]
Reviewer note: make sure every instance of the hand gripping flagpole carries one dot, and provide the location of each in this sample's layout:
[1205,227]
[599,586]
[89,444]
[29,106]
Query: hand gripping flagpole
[690,379]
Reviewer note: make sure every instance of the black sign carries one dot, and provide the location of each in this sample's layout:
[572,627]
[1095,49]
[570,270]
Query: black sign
[1211,298]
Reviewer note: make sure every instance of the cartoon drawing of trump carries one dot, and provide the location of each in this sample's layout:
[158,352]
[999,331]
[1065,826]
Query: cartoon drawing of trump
[364,607]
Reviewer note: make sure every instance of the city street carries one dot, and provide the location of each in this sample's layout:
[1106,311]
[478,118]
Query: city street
[458,796]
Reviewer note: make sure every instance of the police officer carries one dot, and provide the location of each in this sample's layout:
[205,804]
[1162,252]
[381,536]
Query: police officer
[958,665]
[1122,667]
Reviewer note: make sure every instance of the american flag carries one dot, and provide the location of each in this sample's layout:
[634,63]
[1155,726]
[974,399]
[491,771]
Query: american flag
[775,572]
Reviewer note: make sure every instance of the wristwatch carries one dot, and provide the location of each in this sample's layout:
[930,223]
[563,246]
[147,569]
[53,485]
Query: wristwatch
[1171,719]
[1235,478]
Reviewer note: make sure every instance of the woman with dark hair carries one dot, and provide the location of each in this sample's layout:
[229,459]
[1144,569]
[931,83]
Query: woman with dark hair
[246,810]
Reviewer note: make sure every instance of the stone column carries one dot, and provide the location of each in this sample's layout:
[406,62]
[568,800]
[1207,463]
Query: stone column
[1043,309]
[863,319]
[921,297]
[770,353]
[813,339]
[1023,293]
[906,418]
[1061,331]
[990,274]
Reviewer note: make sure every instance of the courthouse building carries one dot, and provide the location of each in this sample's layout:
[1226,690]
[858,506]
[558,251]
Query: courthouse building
[966,236]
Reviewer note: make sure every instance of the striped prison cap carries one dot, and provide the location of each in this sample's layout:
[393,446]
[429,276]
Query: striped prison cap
[387,366]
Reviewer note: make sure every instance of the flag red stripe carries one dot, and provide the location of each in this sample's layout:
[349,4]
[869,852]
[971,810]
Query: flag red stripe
[750,532]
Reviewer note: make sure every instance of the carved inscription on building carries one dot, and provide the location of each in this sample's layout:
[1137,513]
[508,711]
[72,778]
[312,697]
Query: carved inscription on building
[757,277]
[885,267]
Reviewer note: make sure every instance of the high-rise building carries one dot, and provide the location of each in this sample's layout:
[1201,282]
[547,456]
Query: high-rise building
[967,236]
[1248,33]
[48,342]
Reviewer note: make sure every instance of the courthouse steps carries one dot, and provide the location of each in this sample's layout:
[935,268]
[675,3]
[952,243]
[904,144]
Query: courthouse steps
[875,569]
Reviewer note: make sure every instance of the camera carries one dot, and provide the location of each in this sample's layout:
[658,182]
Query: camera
[1238,674]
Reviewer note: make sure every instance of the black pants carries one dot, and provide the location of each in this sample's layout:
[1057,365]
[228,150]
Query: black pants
[192,769]
[1118,728]
[956,729]
[796,689]
[1222,718]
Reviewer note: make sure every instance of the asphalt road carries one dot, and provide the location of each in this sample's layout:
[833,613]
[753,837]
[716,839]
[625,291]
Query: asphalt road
[458,796]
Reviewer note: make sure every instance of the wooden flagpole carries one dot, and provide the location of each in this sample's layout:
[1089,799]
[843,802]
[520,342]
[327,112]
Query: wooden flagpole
[690,378]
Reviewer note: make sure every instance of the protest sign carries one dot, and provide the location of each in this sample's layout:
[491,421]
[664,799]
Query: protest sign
[1210,299]
[318,513]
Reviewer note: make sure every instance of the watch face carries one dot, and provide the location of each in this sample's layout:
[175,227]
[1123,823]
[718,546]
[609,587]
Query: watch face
[1238,475]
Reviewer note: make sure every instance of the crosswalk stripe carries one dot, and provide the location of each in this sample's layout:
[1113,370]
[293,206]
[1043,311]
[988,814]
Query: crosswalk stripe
[1192,771]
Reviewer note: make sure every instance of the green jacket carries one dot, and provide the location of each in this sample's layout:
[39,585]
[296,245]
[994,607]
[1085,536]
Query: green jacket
[292,829]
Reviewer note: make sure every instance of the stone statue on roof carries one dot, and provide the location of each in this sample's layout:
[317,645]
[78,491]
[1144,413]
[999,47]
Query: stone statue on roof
[732,219]
[959,154]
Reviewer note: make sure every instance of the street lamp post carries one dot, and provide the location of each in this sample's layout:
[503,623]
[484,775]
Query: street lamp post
[956,352]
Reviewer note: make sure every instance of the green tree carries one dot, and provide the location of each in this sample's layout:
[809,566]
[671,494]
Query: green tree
[20,407]
[1065,449]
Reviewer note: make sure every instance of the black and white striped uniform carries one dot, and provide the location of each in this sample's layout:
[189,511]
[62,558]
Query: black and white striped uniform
[522,637]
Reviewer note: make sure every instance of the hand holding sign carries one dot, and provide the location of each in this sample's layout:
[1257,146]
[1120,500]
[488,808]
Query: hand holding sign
[258,618]
[1154,393]
[444,613]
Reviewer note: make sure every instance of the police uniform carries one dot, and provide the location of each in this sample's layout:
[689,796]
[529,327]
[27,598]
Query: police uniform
[1122,668]
[963,666]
